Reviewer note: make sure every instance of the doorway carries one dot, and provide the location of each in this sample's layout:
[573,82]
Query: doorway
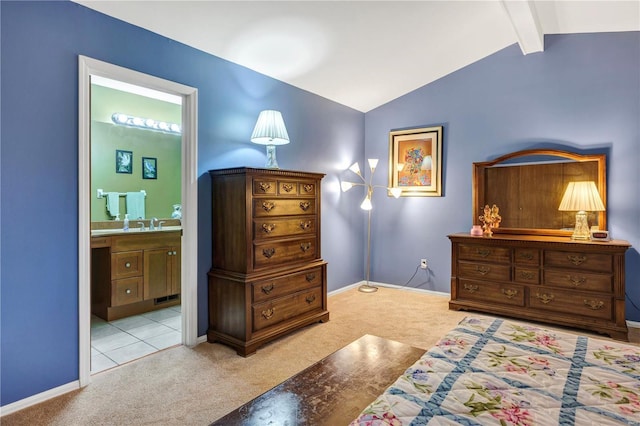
[90,68]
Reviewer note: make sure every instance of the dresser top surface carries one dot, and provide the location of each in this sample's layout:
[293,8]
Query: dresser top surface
[263,172]
[497,238]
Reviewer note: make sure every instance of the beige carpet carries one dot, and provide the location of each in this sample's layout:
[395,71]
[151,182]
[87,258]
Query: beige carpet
[195,386]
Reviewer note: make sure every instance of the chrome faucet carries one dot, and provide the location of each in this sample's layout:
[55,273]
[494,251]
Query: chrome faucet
[160,225]
[141,225]
[151,225]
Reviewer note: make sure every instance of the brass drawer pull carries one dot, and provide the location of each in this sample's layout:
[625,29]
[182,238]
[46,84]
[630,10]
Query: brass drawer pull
[509,293]
[268,313]
[310,277]
[287,187]
[545,298]
[268,227]
[305,247]
[310,299]
[595,305]
[304,205]
[266,289]
[308,187]
[471,288]
[305,225]
[127,265]
[268,252]
[576,281]
[526,255]
[576,259]
[265,186]
[483,270]
[267,206]
[483,252]
[527,275]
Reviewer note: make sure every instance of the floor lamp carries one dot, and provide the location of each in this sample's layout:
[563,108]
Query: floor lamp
[368,206]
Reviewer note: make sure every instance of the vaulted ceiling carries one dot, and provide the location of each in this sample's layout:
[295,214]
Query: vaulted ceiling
[363,54]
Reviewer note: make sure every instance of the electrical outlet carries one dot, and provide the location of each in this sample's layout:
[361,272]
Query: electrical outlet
[423,263]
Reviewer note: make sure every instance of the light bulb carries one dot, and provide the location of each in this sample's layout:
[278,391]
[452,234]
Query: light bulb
[345,186]
[396,192]
[373,162]
[355,168]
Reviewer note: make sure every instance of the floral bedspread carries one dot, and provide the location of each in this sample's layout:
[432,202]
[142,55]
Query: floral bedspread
[490,371]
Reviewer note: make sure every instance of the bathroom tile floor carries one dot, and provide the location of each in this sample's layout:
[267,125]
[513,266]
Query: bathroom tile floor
[121,341]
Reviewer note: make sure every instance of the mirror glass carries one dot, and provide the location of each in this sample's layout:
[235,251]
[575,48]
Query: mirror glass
[527,186]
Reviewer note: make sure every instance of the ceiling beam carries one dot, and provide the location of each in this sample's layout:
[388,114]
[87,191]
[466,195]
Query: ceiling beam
[525,22]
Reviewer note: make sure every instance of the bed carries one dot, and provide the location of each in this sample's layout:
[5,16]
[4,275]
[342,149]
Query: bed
[489,371]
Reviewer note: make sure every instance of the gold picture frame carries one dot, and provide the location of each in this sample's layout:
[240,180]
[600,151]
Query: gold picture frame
[415,161]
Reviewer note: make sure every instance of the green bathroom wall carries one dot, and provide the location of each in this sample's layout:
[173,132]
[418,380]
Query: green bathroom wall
[106,138]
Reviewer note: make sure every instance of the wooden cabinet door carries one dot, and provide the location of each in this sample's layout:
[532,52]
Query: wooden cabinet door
[161,272]
[157,273]
[175,271]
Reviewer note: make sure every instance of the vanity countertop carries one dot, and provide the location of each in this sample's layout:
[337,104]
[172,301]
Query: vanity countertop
[106,232]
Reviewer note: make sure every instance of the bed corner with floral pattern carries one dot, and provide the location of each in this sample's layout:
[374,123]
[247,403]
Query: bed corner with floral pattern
[489,371]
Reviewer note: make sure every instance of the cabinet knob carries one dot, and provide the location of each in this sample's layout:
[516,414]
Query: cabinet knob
[577,259]
[268,313]
[266,289]
[267,206]
[287,187]
[169,253]
[305,225]
[471,288]
[594,304]
[576,281]
[268,252]
[509,292]
[128,291]
[545,298]
[308,187]
[310,299]
[305,247]
[310,277]
[175,253]
[483,270]
[127,265]
[304,205]
[265,186]
[267,228]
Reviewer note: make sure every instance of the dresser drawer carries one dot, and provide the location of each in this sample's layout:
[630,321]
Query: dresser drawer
[484,253]
[572,302]
[589,261]
[274,288]
[503,294]
[125,291]
[270,254]
[275,228]
[126,264]
[273,312]
[525,256]
[484,271]
[526,275]
[265,187]
[266,207]
[579,280]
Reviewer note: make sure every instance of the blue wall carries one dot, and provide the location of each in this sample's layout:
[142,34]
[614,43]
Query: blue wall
[581,94]
[41,42]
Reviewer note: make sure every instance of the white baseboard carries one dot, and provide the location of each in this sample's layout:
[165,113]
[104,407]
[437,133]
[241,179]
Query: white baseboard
[633,324]
[38,398]
[399,287]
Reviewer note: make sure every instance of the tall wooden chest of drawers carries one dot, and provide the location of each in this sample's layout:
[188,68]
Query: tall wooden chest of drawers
[268,277]
[548,279]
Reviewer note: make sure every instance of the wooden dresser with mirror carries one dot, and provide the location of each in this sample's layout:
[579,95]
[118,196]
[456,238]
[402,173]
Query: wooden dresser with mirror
[531,268]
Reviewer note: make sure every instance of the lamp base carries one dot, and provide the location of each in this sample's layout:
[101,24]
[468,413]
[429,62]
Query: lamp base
[366,288]
[581,230]
[272,163]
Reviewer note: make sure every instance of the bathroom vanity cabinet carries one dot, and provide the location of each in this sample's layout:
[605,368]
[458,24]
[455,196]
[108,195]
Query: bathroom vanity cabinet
[134,273]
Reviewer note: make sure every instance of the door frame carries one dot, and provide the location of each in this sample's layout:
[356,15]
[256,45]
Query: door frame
[189,259]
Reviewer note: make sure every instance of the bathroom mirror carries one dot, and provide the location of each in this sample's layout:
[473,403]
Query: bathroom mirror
[527,186]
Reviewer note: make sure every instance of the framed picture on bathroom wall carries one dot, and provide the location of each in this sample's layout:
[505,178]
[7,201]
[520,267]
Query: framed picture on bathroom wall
[124,161]
[149,168]
[415,161]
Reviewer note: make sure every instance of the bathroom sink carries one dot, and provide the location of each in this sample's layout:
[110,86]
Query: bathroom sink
[100,232]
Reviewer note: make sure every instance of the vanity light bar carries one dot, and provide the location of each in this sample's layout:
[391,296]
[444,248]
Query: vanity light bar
[146,123]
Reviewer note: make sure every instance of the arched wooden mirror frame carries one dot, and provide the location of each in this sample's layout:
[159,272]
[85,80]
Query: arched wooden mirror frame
[527,189]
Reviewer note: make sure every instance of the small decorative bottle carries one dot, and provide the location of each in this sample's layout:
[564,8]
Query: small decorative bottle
[125,226]
[177,212]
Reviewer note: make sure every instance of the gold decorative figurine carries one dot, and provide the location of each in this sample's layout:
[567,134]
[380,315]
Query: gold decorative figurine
[490,219]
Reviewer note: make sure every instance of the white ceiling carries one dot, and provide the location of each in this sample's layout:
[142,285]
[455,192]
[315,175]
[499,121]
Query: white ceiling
[365,53]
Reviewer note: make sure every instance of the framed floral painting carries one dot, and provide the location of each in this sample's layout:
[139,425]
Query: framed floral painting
[415,161]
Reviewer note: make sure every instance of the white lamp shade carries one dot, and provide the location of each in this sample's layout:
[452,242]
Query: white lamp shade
[373,162]
[395,191]
[355,168]
[345,186]
[366,204]
[270,129]
[581,196]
